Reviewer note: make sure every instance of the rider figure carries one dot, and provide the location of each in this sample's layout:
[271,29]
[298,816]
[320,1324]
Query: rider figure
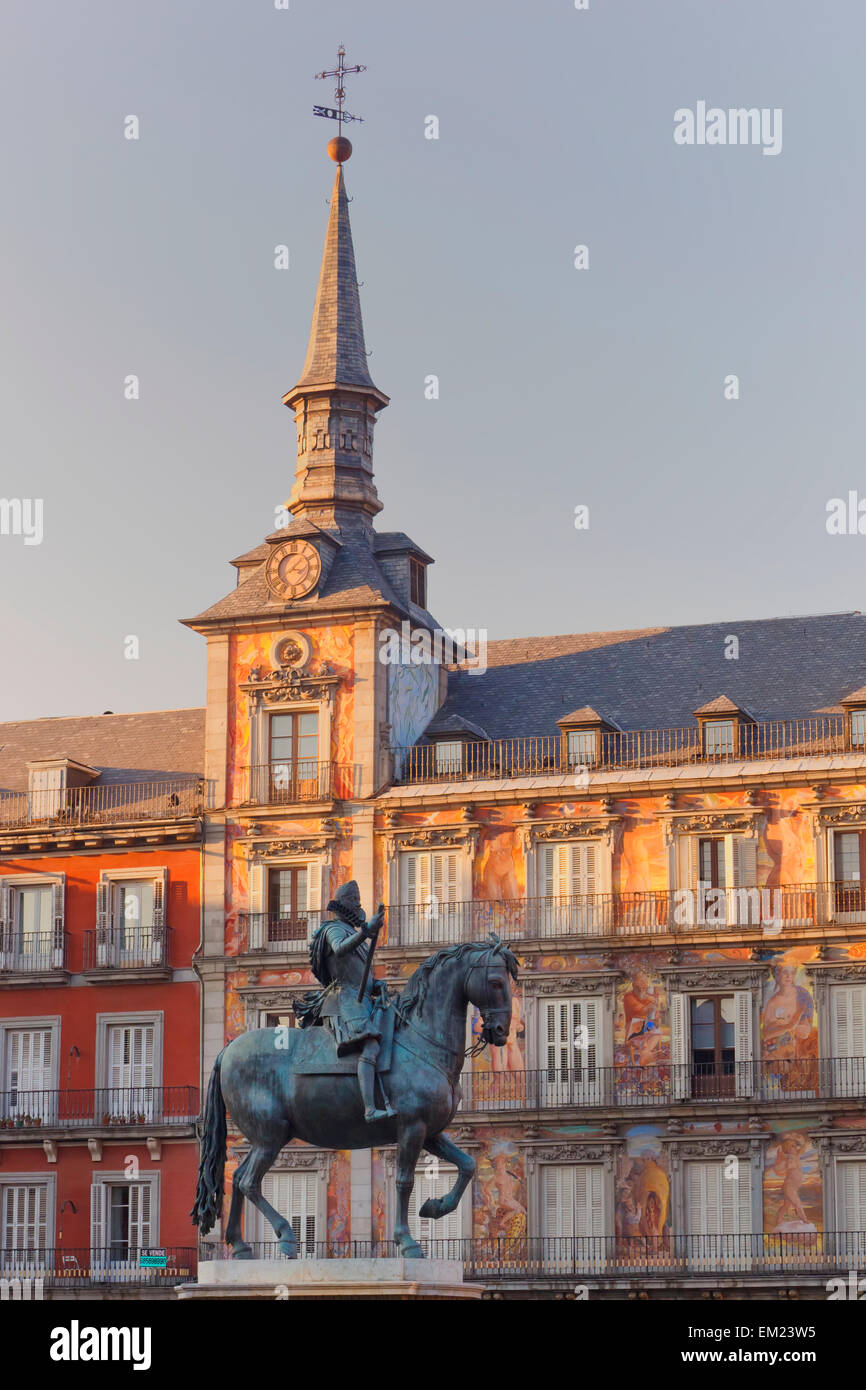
[338,953]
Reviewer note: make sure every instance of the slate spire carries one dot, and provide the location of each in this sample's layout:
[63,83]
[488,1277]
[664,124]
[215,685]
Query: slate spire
[335,401]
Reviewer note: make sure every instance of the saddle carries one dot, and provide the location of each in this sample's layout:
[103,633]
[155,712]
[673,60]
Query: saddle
[316,1054]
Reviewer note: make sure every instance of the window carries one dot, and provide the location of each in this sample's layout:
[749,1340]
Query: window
[711,1044]
[428,894]
[573,1214]
[287,903]
[129,1068]
[849,871]
[851,1207]
[711,863]
[848,1039]
[278,1020]
[124,1219]
[713,1021]
[569,888]
[712,869]
[417,582]
[31,925]
[47,792]
[130,919]
[582,747]
[28,1079]
[294,1196]
[24,1223]
[293,757]
[571,1051]
[718,1213]
[449,758]
[858,728]
[718,737]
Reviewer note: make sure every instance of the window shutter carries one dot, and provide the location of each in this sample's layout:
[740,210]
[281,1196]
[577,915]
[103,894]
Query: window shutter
[314,885]
[103,920]
[679,1046]
[98,1240]
[558,1214]
[58,891]
[851,1196]
[558,1041]
[687,861]
[140,1218]
[548,871]
[6,931]
[848,1039]
[160,898]
[745,862]
[257,934]
[743,1048]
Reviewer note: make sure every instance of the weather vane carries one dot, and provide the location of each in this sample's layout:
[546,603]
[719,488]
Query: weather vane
[337,113]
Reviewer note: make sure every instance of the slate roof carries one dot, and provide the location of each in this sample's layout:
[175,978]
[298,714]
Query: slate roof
[657,677]
[153,746]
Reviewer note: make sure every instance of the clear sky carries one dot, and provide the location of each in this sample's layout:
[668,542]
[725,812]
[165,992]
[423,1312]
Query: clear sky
[559,387]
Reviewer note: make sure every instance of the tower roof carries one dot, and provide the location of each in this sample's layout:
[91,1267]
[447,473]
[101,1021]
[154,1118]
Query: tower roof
[336,354]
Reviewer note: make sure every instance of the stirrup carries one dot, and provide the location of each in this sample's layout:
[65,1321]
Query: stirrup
[371,1115]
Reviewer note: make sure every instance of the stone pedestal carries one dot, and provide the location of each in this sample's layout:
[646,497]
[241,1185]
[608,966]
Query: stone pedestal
[279,1280]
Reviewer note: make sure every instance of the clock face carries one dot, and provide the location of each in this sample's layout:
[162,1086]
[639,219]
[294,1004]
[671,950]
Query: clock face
[293,569]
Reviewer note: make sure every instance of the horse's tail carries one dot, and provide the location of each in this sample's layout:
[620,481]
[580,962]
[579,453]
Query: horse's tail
[212,1165]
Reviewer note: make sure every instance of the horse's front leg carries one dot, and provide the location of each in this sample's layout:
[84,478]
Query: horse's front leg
[442,1147]
[410,1140]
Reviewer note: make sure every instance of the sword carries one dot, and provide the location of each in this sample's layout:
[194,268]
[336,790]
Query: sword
[374,937]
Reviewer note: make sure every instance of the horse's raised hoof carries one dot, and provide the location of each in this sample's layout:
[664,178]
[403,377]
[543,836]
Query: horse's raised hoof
[243,1252]
[432,1208]
[412,1251]
[289,1248]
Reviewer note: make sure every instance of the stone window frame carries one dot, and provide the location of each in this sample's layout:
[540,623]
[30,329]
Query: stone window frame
[834,1147]
[681,1148]
[590,984]
[605,1151]
[121,1019]
[538,834]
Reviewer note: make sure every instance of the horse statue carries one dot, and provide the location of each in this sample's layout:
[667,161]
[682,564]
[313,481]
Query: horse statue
[280,1084]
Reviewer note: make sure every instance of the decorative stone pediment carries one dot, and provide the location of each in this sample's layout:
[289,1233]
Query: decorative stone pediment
[839,973]
[545,832]
[685,1146]
[590,982]
[293,1160]
[715,978]
[830,814]
[593,1151]
[737,820]
[463,837]
[841,1142]
[318,841]
[288,685]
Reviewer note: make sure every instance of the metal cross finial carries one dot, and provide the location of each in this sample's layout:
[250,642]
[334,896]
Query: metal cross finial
[340,71]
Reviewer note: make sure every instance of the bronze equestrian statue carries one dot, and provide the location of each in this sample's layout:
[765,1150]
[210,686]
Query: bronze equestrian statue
[305,1083]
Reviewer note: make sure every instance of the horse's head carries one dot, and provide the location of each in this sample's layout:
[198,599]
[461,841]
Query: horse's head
[488,987]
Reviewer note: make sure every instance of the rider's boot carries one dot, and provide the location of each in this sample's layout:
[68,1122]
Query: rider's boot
[367,1082]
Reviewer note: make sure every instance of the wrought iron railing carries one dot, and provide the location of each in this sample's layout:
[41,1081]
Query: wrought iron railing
[633,749]
[32,953]
[299,780]
[127,948]
[525,1258]
[276,931]
[79,1267]
[108,1107]
[111,804]
[555,1087]
[650,913]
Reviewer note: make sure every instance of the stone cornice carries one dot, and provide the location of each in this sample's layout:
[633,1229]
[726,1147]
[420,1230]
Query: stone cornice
[462,837]
[583,982]
[714,977]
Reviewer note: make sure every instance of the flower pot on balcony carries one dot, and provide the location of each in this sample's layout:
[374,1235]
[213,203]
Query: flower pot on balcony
[37,1120]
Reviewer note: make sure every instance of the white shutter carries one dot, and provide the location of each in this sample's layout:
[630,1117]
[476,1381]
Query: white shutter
[257,935]
[444,880]
[680,1059]
[850,1202]
[448,1227]
[24,1213]
[140,1217]
[98,1236]
[848,1039]
[29,1071]
[687,861]
[103,921]
[573,1215]
[293,1195]
[718,1215]
[59,897]
[314,886]
[7,941]
[417,880]
[160,901]
[130,1069]
[743,1047]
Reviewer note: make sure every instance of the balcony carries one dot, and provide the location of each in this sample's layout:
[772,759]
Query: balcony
[273,931]
[33,957]
[301,782]
[127,1108]
[552,1258]
[83,1268]
[115,803]
[142,952]
[617,751]
[551,1088]
[653,913]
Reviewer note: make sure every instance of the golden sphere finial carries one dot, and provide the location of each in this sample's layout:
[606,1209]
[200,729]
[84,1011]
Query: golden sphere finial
[340,149]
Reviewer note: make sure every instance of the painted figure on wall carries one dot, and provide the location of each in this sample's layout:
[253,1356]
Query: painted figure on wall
[642,1035]
[500,1192]
[792,1186]
[643,1190]
[790,1039]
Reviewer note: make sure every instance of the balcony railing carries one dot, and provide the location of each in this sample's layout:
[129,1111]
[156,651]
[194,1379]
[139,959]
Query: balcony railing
[631,750]
[300,780]
[80,1268]
[276,931]
[548,1088]
[32,953]
[661,912]
[122,948]
[111,1107]
[112,804]
[525,1258]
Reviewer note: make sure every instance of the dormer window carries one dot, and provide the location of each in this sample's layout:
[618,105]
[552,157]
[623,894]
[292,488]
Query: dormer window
[854,706]
[581,747]
[56,785]
[723,728]
[417,582]
[858,728]
[583,737]
[449,758]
